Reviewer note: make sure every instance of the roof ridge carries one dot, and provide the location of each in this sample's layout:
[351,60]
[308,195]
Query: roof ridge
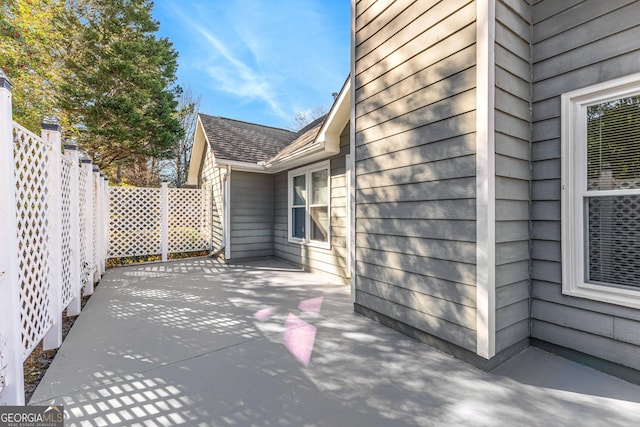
[248,123]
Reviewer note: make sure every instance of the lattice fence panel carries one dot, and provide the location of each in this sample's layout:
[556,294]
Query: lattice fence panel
[207,213]
[32,194]
[185,220]
[134,221]
[65,227]
[83,182]
[94,242]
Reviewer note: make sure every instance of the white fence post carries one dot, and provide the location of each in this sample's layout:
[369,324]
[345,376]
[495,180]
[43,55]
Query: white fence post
[51,133]
[105,224]
[95,226]
[98,230]
[74,307]
[88,231]
[164,220]
[11,373]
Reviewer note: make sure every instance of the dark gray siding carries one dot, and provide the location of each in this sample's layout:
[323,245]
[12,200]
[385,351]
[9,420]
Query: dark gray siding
[512,157]
[251,215]
[330,261]
[575,44]
[415,164]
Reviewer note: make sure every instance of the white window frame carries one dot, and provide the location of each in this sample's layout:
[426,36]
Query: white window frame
[574,190]
[307,171]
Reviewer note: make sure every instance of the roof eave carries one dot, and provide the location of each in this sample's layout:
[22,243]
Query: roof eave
[337,118]
[313,153]
[327,142]
[242,166]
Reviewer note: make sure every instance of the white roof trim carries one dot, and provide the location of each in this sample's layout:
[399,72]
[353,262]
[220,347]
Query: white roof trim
[330,131]
[327,142]
[200,144]
[241,166]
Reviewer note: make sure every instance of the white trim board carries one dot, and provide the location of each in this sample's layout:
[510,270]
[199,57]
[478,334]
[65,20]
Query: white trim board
[307,172]
[485,180]
[226,232]
[352,155]
[574,189]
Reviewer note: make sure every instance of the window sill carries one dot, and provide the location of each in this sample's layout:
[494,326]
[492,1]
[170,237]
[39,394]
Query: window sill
[605,294]
[319,245]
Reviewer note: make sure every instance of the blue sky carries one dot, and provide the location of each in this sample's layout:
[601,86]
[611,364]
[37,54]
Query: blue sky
[259,61]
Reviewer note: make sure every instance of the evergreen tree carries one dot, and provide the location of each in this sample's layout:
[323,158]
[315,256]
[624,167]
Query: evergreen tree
[120,88]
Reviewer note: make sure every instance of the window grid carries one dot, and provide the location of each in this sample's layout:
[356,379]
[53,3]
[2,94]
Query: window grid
[316,212]
[601,192]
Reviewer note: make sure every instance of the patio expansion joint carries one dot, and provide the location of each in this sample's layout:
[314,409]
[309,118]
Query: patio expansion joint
[167,364]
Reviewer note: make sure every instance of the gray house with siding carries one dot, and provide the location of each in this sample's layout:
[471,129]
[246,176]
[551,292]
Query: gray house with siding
[277,193]
[477,181]
[496,193]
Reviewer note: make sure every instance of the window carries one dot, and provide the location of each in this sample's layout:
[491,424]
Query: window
[309,205]
[601,192]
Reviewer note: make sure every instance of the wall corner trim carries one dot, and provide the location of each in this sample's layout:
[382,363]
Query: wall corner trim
[485,179]
[352,158]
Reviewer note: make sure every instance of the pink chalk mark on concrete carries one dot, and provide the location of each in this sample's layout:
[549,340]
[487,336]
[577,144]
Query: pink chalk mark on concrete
[265,313]
[311,306]
[299,338]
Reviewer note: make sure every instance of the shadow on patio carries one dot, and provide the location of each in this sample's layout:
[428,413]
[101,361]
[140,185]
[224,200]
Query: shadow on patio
[200,343]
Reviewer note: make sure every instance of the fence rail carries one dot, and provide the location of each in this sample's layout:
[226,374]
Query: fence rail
[156,221]
[54,233]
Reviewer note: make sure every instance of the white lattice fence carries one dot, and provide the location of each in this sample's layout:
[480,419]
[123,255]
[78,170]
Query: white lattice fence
[40,258]
[185,220]
[206,222]
[83,183]
[32,200]
[134,221]
[137,226]
[65,224]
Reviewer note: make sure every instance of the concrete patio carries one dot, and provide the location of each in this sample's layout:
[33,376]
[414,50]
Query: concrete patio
[198,343]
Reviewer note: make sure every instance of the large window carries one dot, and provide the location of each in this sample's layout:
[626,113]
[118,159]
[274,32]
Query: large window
[309,204]
[601,192]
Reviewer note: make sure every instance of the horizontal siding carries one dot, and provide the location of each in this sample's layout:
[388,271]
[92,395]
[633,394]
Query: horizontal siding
[451,331]
[211,179]
[512,163]
[415,279]
[575,44]
[251,214]
[331,261]
[415,208]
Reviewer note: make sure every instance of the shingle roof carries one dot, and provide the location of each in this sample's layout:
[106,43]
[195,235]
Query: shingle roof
[244,142]
[305,137]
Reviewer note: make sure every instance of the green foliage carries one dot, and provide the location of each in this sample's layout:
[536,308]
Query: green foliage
[120,88]
[613,138]
[97,65]
[119,262]
[32,40]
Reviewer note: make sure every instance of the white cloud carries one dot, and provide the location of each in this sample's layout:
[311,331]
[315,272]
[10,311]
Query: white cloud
[282,56]
[237,78]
